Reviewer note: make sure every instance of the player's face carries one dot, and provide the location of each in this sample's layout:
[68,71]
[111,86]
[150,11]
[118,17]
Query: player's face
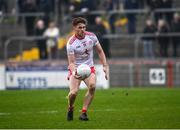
[80,30]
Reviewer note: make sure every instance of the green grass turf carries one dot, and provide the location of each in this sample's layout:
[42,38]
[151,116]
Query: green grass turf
[113,108]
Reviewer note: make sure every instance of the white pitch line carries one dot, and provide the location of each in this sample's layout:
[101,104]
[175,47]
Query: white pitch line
[49,112]
[104,110]
[4,113]
[25,113]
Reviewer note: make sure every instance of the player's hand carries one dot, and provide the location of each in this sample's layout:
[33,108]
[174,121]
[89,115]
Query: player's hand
[74,73]
[106,71]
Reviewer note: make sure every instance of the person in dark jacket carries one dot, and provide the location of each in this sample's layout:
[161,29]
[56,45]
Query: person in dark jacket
[163,40]
[100,30]
[130,5]
[3,6]
[153,5]
[150,28]
[41,44]
[110,5]
[175,28]
[167,4]
[29,6]
[46,7]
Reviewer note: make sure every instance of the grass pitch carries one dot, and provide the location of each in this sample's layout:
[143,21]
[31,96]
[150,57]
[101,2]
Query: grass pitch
[113,108]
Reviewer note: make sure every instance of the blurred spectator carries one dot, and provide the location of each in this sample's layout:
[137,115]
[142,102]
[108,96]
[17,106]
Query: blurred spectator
[3,6]
[28,6]
[148,42]
[84,6]
[100,30]
[3,9]
[91,6]
[63,7]
[20,6]
[167,4]
[41,44]
[75,5]
[20,9]
[155,4]
[129,5]
[52,35]
[175,28]
[46,7]
[161,4]
[111,5]
[141,4]
[163,40]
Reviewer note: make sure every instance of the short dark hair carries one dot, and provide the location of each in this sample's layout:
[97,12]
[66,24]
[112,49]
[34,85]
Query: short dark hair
[78,20]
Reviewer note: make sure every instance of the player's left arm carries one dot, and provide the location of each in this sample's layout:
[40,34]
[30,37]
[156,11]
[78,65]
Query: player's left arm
[103,61]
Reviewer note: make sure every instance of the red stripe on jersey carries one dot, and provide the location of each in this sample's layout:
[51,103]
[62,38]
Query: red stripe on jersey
[72,39]
[90,33]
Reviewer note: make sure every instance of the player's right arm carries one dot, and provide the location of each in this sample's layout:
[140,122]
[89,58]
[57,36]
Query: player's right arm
[70,56]
[71,61]
[72,67]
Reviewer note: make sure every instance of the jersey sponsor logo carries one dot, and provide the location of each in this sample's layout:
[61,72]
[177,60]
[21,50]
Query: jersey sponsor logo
[84,44]
[78,46]
[90,42]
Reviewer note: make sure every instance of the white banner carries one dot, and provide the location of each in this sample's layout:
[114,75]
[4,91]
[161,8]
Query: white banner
[157,76]
[36,79]
[2,76]
[47,79]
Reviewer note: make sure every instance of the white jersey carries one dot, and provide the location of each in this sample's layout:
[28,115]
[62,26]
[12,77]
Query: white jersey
[82,48]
